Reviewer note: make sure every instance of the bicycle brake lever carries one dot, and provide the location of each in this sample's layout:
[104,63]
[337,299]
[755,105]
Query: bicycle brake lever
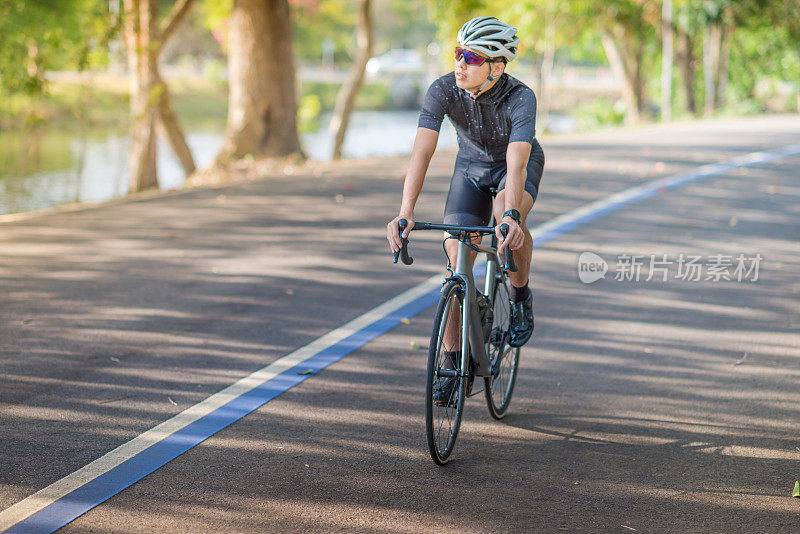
[509,254]
[403,252]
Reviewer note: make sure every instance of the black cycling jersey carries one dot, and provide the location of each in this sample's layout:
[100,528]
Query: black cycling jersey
[487,124]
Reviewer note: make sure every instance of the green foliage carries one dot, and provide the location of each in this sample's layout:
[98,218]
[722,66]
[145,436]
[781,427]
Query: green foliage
[308,113]
[22,152]
[200,104]
[195,42]
[329,20]
[216,14]
[533,18]
[402,24]
[104,104]
[372,96]
[599,112]
[397,24]
[449,16]
[586,49]
[46,35]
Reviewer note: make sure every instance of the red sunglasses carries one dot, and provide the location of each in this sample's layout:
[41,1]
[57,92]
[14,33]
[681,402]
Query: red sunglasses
[470,58]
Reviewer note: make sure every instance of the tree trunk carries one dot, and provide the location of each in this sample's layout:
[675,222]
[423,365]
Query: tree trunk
[546,79]
[347,93]
[722,64]
[140,28]
[686,63]
[149,95]
[179,11]
[667,59]
[170,125]
[635,62]
[618,67]
[172,130]
[710,62]
[262,108]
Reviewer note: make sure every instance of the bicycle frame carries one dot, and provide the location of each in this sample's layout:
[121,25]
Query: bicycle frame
[470,320]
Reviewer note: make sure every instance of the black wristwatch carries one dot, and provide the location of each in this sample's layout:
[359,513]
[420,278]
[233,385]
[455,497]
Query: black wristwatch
[514,214]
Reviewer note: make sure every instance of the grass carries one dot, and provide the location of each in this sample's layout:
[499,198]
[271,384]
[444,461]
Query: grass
[101,100]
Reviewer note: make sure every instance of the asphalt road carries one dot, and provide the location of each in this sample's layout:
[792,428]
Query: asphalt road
[647,405]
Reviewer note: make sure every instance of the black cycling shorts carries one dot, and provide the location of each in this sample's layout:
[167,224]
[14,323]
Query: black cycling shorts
[469,201]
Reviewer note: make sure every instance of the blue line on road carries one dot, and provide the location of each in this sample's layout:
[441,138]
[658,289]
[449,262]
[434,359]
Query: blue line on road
[68,508]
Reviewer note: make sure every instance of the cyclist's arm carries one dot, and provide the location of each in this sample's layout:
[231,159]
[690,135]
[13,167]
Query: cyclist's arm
[421,154]
[516,161]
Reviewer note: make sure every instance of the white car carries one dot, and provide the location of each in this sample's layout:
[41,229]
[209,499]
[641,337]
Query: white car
[397,61]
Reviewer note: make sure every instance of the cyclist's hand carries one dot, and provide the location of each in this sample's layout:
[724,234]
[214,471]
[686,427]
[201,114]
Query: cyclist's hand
[515,237]
[393,232]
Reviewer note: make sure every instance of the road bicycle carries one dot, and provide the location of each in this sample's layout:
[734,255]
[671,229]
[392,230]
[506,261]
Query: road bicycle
[470,336]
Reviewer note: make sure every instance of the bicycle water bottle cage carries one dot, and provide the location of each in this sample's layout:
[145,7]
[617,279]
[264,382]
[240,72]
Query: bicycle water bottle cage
[486,313]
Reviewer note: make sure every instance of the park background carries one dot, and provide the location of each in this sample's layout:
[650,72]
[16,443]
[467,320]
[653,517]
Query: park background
[103,98]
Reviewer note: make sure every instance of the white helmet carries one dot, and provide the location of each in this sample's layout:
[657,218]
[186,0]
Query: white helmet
[491,37]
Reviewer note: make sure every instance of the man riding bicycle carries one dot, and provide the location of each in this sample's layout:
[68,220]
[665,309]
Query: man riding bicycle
[494,116]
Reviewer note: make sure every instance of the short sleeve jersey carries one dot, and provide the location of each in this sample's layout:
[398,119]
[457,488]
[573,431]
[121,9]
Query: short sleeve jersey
[487,124]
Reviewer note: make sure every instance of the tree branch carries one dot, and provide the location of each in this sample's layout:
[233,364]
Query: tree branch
[173,20]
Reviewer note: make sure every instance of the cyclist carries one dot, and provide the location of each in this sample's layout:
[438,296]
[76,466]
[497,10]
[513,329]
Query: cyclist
[494,116]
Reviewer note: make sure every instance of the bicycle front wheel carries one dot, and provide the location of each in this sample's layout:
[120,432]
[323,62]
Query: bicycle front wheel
[504,358]
[446,388]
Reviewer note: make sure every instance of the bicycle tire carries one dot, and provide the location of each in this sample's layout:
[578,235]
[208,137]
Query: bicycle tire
[441,444]
[504,358]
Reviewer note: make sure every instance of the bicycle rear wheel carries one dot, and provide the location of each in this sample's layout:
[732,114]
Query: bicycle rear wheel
[504,358]
[443,417]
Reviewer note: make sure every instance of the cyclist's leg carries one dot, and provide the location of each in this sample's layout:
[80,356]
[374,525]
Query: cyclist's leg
[521,295]
[522,257]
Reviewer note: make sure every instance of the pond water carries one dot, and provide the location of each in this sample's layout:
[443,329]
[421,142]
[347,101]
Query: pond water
[51,168]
